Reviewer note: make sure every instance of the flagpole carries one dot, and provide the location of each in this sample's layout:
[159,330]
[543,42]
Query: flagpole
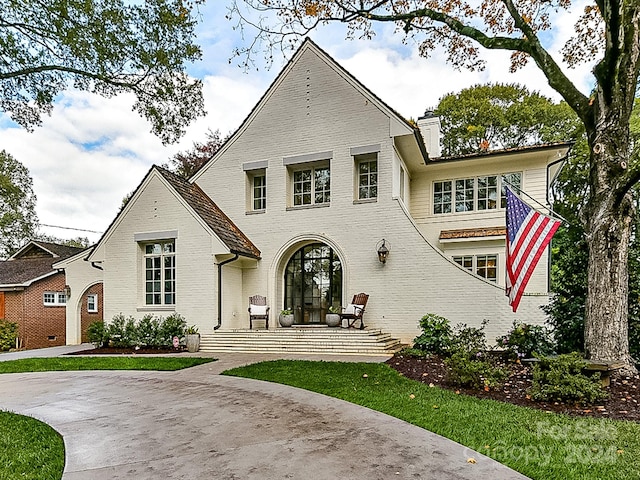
[522,192]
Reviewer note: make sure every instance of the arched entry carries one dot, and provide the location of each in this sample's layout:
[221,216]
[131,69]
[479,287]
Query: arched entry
[313,283]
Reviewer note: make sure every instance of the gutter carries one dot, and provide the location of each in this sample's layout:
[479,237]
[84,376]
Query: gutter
[220,265]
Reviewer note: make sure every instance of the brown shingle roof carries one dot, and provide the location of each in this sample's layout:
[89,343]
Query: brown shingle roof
[224,228]
[32,261]
[473,233]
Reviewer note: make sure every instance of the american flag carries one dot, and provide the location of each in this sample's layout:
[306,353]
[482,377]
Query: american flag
[528,234]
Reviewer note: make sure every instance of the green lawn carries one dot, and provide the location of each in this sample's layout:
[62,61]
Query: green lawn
[29,449]
[540,445]
[100,363]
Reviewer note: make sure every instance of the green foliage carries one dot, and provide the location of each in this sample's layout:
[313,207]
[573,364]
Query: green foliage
[192,330]
[29,449]
[470,340]
[149,331]
[504,116]
[523,340]
[561,379]
[413,352]
[105,47]
[122,331]
[435,336]
[187,163]
[8,334]
[18,219]
[172,326]
[474,372]
[101,362]
[98,334]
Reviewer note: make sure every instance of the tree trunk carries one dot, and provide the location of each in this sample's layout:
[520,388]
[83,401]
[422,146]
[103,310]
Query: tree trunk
[609,215]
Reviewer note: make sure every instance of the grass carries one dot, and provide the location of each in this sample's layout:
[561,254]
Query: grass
[100,363]
[29,449]
[540,445]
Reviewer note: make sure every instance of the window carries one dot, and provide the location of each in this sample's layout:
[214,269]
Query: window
[442,197]
[160,273]
[54,299]
[402,174]
[311,186]
[469,194]
[485,266]
[92,303]
[259,194]
[367,177]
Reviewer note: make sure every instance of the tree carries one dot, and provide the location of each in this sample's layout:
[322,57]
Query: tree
[501,116]
[105,47]
[18,219]
[608,30]
[187,163]
[80,242]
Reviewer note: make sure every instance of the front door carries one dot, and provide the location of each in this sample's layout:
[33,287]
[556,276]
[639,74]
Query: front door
[313,283]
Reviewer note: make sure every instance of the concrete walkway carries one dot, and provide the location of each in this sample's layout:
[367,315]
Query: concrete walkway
[195,424]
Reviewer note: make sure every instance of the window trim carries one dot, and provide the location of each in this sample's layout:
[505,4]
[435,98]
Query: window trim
[370,158]
[95,303]
[474,268]
[162,268]
[59,299]
[263,189]
[313,168]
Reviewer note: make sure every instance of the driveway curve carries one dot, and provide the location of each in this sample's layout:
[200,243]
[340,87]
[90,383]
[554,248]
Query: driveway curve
[195,424]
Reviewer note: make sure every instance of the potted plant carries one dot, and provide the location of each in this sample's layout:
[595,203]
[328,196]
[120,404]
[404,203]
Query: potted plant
[192,338]
[333,316]
[286,318]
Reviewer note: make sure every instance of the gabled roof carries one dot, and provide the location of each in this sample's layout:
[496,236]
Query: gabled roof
[309,44]
[33,262]
[210,213]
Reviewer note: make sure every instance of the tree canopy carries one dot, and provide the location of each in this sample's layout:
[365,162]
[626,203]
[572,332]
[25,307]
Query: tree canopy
[498,116]
[189,162]
[607,31]
[105,47]
[18,219]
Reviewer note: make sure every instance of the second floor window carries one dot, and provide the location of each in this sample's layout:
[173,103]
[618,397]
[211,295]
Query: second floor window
[311,186]
[160,273]
[259,192]
[368,178]
[469,194]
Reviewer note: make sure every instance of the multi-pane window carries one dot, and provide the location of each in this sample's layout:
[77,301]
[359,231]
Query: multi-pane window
[442,197]
[54,298]
[160,273]
[259,194]
[464,195]
[469,194]
[483,265]
[367,179]
[311,186]
[92,303]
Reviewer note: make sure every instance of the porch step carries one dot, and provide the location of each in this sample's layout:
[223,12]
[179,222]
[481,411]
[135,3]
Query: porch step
[301,340]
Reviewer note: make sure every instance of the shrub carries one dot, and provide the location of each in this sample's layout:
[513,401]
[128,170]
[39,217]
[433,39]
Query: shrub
[561,379]
[476,373]
[98,334]
[523,340]
[122,331]
[172,326]
[8,334]
[435,336]
[149,331]
[471,340]
[413,352]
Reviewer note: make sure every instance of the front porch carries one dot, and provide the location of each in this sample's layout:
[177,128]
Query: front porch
[309,340]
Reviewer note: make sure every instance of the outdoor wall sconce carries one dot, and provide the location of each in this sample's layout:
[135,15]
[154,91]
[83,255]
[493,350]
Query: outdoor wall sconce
[67,291]
[383,251]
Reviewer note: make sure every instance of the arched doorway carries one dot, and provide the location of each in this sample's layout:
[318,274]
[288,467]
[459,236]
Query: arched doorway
[313,283]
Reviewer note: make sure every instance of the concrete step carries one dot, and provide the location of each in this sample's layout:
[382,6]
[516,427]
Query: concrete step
[301,340]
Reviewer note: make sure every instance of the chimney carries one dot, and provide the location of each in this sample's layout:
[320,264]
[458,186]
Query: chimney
[429,126]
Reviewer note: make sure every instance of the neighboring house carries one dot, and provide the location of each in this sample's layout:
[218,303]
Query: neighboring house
[320,175]
[35,295]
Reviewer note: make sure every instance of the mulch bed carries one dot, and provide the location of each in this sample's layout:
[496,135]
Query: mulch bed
[622,402]
[129,351]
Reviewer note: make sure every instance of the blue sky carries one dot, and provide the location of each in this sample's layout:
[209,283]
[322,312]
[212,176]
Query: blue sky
[92,151]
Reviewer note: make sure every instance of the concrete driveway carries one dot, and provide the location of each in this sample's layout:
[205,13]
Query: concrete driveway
[195,424]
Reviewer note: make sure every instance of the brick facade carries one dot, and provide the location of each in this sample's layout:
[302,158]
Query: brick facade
[86,317]
[39,326]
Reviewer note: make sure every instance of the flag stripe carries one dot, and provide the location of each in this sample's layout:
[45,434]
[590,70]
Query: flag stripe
[528,234]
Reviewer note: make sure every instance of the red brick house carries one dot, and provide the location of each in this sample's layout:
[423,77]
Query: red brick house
[34,294]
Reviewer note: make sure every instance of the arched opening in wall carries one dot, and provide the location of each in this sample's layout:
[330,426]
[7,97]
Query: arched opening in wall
[312,283]
[90,309]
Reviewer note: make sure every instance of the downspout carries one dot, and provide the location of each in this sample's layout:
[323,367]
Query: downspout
[220,265]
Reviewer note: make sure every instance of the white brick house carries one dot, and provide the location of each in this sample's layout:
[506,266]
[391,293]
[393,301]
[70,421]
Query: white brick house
[319,173]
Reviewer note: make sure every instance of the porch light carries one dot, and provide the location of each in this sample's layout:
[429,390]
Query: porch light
[383,251]
[67,291]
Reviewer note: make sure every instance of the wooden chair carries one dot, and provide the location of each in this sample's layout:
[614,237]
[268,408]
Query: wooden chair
[258,310]
[355,311]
